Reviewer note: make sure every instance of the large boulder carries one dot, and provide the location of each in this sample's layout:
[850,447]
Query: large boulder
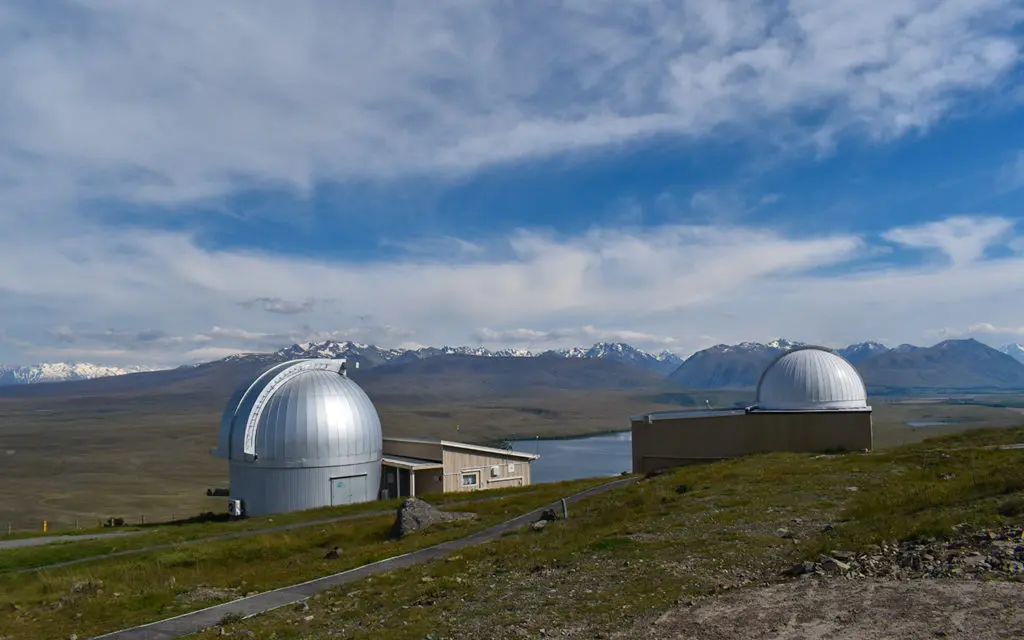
[415,514]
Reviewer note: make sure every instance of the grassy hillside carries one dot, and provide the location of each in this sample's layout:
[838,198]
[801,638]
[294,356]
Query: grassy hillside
[621,560]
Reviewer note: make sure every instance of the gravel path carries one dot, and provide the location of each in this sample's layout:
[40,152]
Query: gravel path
[33,542]
[196,621]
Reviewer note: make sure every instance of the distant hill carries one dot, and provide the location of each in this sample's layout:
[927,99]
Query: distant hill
[459,375]
[725,366]
[959,364]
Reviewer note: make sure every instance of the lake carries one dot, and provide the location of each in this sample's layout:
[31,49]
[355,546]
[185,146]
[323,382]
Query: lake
[929,423]
[570,458]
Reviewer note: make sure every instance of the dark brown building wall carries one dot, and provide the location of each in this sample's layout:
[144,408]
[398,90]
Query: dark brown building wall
[674,442]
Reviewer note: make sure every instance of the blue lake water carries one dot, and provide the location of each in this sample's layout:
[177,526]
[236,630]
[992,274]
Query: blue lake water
[589,457]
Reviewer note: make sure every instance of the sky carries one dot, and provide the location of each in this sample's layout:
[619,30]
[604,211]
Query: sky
[181,181]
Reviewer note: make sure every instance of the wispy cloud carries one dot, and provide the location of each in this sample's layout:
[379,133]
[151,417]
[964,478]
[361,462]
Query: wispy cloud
[659,286]
[278,305]
[963,239]
[165,103]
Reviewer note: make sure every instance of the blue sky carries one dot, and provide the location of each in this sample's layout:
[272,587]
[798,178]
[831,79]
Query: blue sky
[181,183]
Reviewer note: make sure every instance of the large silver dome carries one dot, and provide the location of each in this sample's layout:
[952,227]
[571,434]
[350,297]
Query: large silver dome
[301,435]
[811,379]
[301,413]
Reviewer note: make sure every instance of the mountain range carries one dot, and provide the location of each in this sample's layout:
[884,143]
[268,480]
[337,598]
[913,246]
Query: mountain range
[950,364]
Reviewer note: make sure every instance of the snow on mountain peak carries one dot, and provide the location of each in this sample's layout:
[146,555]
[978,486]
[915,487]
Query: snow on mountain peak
[1015,351]
[63,371]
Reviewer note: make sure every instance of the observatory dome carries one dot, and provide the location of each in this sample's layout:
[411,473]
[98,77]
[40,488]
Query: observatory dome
[301,435]
[810,379]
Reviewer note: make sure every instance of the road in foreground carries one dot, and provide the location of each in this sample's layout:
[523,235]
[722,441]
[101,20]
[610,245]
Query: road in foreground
[196,621]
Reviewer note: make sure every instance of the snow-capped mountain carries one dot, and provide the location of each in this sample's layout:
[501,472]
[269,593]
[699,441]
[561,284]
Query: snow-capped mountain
[1015,351]
[372,356]
[861,351]
[664,362]
[62,372]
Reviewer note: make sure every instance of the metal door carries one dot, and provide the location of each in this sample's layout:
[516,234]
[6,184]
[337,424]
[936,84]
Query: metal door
[348,490]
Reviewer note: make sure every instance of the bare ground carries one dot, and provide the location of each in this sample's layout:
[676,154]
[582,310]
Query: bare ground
[862,609]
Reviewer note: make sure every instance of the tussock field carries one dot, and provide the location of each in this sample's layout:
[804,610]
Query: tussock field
[138,456]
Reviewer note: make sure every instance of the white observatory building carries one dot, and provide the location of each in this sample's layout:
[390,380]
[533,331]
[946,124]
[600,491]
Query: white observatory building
[809,399]
[301,435]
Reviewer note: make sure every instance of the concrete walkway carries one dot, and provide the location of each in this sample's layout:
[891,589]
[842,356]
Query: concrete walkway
[197,621]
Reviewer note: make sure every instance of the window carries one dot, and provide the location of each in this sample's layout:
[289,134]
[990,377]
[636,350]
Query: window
[470,479]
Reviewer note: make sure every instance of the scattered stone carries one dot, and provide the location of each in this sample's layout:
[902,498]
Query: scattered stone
[426,579]
[948,476]
[88,586]
[415,515]
[333,554]
[73,636]
[784,532]
[968,554]
[539,525]
[853,488]
[302,606]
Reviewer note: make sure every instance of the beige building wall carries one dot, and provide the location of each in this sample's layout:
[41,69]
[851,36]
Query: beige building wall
[679,441]
[463,461]
[429,481]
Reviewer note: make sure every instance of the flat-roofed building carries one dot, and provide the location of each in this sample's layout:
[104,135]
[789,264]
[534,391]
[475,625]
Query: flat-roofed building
[416,467]
[808,400]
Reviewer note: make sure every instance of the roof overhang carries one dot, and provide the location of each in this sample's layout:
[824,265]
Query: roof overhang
[494,451]
[413,464]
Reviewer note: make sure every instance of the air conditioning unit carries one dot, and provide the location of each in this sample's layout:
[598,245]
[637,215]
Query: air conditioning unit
[495,471]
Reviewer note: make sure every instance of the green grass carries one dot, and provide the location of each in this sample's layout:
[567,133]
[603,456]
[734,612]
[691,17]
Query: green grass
[625,557]
[149,586]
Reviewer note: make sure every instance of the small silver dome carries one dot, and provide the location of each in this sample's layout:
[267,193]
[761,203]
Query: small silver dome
[811,379]
[302,413]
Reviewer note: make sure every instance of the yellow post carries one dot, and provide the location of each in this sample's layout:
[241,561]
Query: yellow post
[44,526]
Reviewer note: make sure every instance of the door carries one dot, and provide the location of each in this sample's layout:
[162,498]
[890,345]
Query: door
[348,490]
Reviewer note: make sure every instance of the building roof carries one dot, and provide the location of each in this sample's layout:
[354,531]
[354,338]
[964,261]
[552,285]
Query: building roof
[811,379]
[683,415]
[301,413]
[508,453]
[410,463]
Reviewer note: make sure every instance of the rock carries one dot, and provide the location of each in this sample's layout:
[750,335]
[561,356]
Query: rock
[800,569]
[655,473]
[831,565]
[784,532]
[539,525]
[845,556]
[828,529]
[548,515]
[302,606]
[88,586]
[333,554]
[73,636]
[415,515]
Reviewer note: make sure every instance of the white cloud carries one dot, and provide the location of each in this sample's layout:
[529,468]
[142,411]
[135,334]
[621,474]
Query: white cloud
[675,286]
[172,102]
[543,339]
[1011,177]
[963,239]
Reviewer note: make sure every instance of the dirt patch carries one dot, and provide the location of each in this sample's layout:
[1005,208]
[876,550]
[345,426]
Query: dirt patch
[861,609]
